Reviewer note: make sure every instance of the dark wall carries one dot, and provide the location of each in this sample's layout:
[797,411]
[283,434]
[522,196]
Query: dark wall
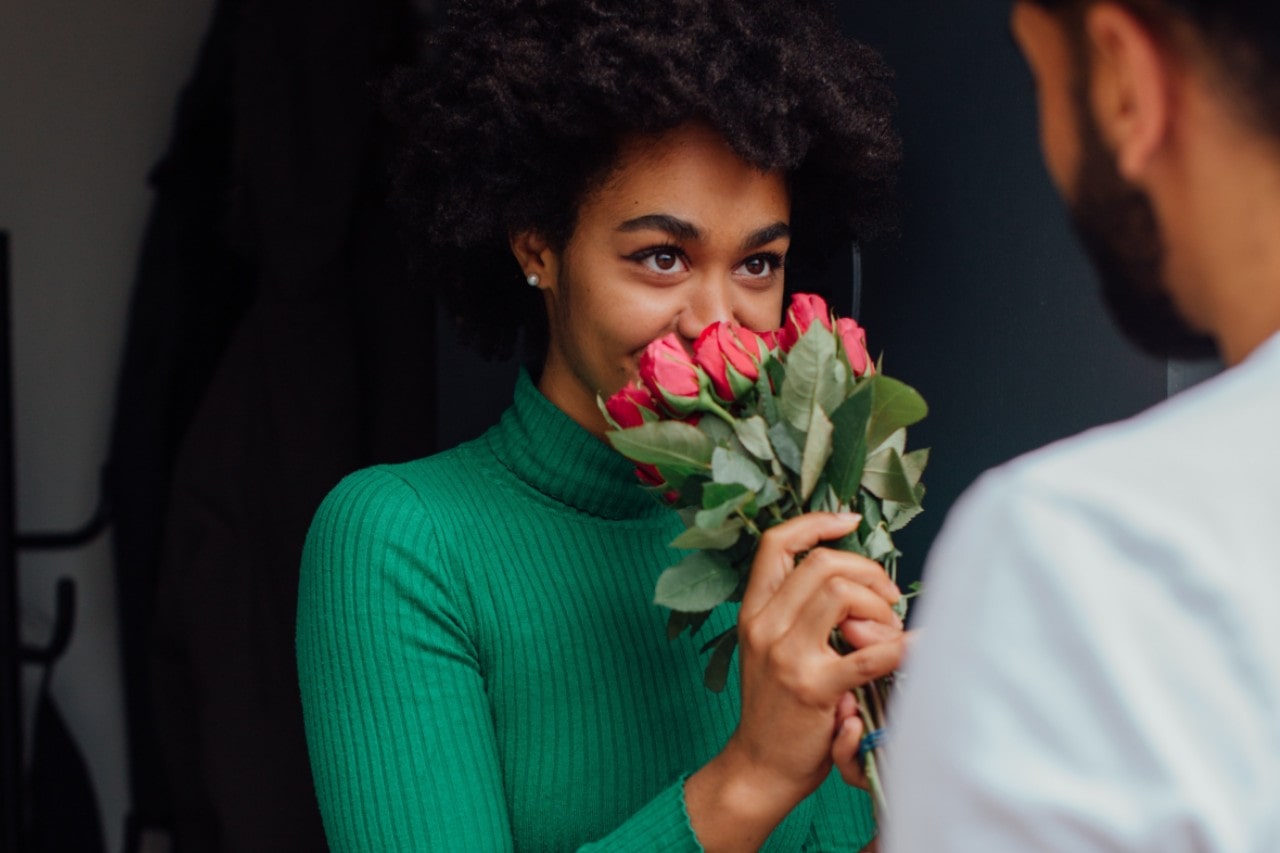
[984,303]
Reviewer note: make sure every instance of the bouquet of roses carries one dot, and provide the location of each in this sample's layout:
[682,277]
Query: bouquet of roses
[751,429]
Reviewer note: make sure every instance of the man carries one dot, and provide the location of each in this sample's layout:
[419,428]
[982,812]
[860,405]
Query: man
[1099,666]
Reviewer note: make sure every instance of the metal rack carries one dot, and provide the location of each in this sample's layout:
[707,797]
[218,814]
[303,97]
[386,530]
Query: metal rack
[14,655]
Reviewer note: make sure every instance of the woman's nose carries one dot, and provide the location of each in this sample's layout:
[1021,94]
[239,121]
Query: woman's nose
[710,302]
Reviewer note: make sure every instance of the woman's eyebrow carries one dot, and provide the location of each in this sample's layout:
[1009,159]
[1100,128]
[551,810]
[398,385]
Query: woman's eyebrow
[678,228]
[683,230]
[766,235]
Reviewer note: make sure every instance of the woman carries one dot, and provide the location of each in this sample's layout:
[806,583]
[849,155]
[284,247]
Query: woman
[480,664]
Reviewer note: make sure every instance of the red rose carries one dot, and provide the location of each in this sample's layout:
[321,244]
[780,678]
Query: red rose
[731,356]
[649,475]
[671,374]
[629,406]
[853,340]
[805,308]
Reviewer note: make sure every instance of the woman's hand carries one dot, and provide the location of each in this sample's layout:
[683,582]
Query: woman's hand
[793,682]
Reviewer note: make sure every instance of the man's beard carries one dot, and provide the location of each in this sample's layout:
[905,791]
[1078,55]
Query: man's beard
[1116,224]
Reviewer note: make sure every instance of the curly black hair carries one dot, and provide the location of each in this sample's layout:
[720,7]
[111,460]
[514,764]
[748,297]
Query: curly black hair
[518,108]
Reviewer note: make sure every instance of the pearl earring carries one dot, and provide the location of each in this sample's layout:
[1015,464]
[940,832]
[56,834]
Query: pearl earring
[534,280]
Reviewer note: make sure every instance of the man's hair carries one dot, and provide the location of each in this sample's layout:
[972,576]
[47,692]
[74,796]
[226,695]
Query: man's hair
[1240,37]
[518,108]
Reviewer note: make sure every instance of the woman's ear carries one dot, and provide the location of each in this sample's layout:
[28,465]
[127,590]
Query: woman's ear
[537,259]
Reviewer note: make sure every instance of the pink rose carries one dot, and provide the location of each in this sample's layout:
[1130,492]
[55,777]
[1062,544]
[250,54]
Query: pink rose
[853,340]
[805,308]
[630,405]
[731,355]
[649,475]
[671,374]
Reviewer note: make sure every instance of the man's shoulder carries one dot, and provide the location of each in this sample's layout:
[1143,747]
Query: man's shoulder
[1216,438]
[1176,491]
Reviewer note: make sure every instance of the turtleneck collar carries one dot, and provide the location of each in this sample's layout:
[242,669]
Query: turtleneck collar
[551,452]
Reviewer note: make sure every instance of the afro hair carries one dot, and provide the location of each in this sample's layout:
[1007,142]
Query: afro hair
[517,109]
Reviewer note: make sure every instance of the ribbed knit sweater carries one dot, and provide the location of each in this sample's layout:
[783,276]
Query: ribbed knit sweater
[482,667]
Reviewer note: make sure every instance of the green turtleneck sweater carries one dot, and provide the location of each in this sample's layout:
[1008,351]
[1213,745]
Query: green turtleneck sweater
[482,667]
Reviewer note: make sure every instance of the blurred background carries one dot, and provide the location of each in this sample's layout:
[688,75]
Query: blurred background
[210,326]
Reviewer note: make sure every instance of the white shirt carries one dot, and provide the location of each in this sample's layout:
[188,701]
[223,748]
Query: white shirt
[1099,665]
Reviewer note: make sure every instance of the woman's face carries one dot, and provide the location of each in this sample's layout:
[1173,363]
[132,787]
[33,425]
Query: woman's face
[682,234]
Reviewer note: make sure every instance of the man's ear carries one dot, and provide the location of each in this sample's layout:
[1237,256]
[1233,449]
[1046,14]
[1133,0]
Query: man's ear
[536,258]
[1132,86]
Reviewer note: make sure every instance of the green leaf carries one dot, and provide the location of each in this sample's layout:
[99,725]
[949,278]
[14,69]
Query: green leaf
[711,644]
[849,446]
[776,373]
[879,544]
[893,406]
[722,501]
[850,543]
[898,516]
[720,433]
[721,663]
[728,466]
[824,499]
[754,435]
[914,463]
[697,583]
[817,450]
[810,380]
[886,477]
[872,514]
[678,621]
[718,494]
[769,494]
[784,443]
[897,441]
[669,444]
[766,399]
[714,539]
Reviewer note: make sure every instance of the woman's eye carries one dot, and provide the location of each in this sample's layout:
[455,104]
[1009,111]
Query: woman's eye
[664,261]
[761,266]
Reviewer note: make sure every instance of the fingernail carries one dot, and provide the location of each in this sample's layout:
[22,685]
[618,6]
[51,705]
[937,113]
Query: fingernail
[850,517]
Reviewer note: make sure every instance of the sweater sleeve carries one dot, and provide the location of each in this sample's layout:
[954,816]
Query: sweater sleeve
[843,819]
[398,728]
[398,724]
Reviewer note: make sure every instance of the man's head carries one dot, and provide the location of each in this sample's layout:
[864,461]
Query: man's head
[1108,73]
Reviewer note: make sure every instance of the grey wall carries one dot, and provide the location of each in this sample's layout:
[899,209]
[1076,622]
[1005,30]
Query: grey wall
[984,303]
[87,97]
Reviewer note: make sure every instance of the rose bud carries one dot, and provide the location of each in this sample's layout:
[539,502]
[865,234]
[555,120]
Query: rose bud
[731,355]
[853,340]
[805,308]
[632,406]
[671,374]
[649,475]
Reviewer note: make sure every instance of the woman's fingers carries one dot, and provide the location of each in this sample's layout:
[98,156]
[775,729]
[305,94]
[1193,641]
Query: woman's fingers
[844,751]
[864,665]
[827,574]
[822,602]
[779,547]
[864,632]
